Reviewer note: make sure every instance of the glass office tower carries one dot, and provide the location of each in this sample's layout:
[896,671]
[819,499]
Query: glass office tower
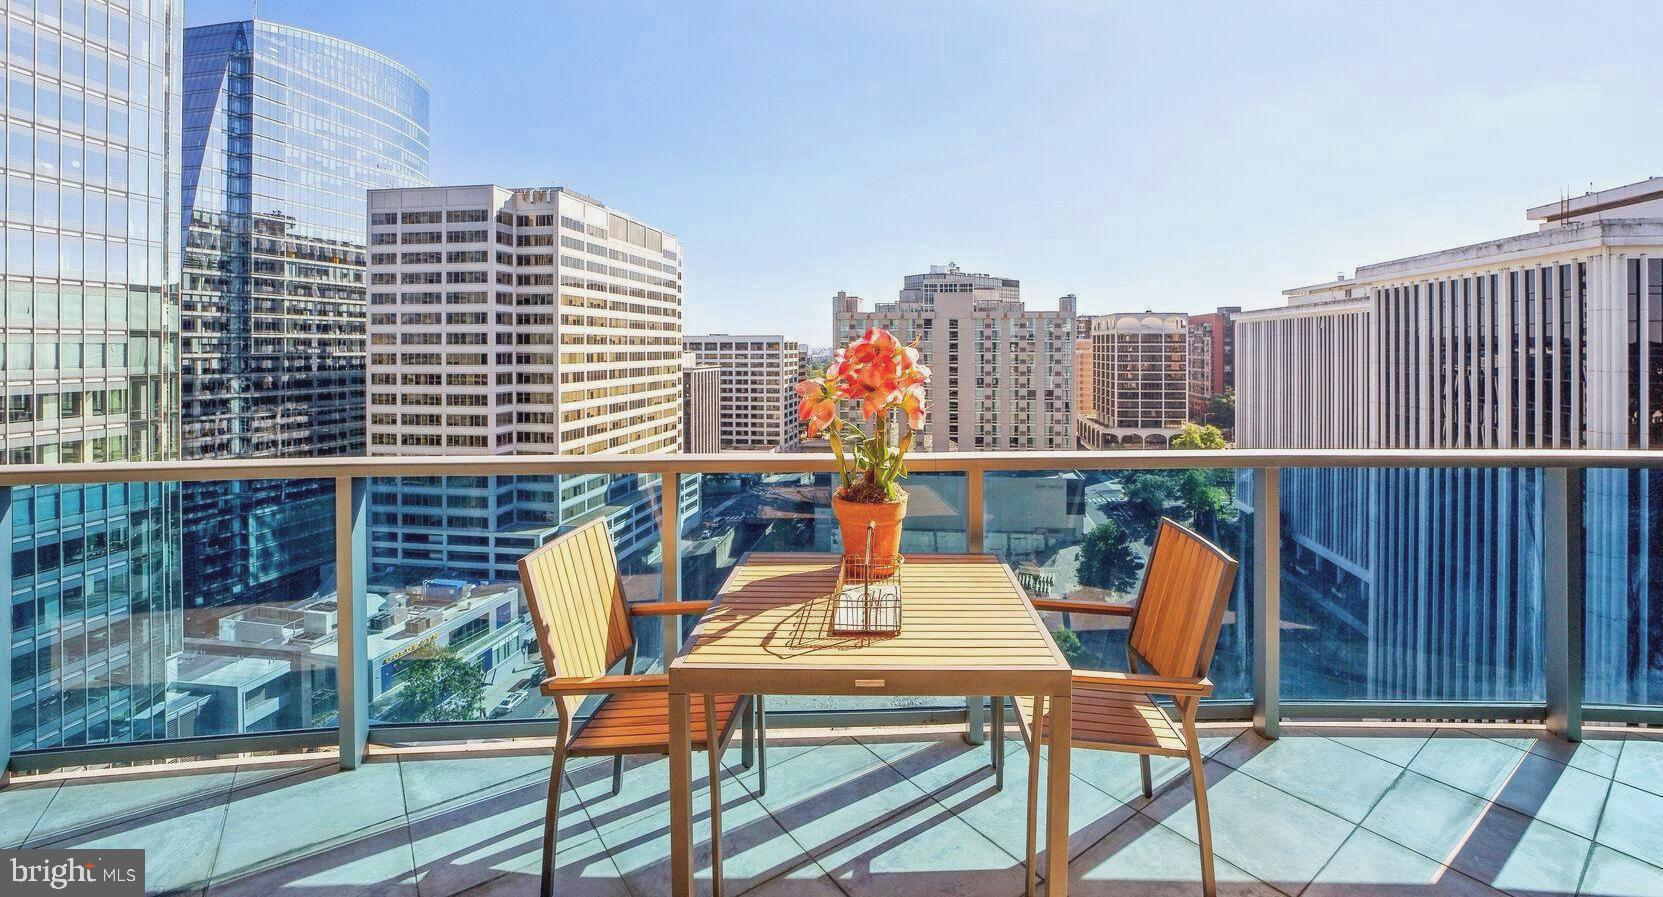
[284,130]
[91,364]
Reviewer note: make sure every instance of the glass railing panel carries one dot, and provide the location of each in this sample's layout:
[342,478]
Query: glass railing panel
[743,513]
[1087,534]
[453,640]
[1412,585]
[1623,601]
[149,611]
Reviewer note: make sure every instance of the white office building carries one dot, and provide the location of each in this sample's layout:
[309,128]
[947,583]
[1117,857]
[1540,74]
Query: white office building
[533,321]
[758,391]
[1548,339]
[1002,373]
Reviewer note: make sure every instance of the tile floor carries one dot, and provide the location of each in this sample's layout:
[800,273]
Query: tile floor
[1324,812]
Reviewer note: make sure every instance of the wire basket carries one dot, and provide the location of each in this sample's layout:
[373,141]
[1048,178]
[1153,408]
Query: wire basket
[868,596]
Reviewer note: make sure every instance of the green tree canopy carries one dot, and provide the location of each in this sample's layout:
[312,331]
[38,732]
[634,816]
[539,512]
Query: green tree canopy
[1197,436]
[1221,410]
[1106,558]
[441,686]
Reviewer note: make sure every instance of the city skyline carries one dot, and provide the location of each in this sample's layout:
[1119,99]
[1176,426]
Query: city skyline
[1071,158]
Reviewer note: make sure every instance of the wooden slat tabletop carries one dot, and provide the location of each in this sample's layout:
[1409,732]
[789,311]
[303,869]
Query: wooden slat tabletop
[966,628]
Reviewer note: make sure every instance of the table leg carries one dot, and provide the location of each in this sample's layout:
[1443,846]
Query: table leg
[681,799]
[1056,802]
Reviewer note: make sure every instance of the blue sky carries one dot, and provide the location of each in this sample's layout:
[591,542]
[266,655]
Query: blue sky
[1140,155]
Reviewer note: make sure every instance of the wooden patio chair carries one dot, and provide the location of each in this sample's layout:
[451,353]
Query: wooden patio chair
[583,627]
[1174,629]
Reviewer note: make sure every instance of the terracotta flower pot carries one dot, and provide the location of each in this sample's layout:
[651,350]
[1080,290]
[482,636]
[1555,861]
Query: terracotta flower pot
[852,518]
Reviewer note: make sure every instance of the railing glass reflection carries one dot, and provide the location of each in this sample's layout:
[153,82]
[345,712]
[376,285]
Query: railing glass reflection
[1087,534]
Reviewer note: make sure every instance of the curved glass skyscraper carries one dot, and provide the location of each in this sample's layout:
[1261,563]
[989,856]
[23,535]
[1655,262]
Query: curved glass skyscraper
[91,365]
[284,130]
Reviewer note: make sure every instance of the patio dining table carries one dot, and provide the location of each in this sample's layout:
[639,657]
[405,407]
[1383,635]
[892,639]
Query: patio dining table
[967,628]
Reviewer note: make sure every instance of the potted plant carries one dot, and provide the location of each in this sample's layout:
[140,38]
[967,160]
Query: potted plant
[884,376]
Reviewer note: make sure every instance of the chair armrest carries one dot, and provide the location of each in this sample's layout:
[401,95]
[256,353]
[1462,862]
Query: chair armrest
[1083,607]
[596,685]
[1135,683]
[668,608]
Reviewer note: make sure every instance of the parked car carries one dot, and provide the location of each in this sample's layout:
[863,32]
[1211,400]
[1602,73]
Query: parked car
[507,704]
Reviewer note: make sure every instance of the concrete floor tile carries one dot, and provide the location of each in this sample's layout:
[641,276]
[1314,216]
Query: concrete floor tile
[21,806]
[1478,766]
[1369,864]
[81,807]
[1272,835]
[304,815]
[1614,874]
[1148,859]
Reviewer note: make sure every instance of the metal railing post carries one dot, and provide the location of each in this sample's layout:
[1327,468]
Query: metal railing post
[352,552]
[669,540]
[5,632]
[1267,601]
[975,519]
[1563,566]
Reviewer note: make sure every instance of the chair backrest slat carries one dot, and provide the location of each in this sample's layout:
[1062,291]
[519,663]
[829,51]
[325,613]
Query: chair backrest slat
[1181,606]
[576,598]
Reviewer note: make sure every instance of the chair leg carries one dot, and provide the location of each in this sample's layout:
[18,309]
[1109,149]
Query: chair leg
[551,820]
[1148,780]
[761,748]
[713,750]
[617,773]
[1209,888]
[747,740]
[998,742]
[1035,740]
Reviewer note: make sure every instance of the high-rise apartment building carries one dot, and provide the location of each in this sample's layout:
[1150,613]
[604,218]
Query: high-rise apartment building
[1140,380]
[1218,329]
[1549,339]
[529,321]
[759,379]
[1002,375]
[701,406]
[284,130]
[1083,382]
[92,169]
[1200,369]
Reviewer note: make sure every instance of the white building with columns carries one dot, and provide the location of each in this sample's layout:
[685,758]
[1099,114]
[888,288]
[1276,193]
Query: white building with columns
[1548,339]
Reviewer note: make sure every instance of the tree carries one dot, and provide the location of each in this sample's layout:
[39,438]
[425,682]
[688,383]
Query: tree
[1069,644]
[1106,559]
[1147,493]
[1206,497]
[441,686]
[1221,410]
[1197,436]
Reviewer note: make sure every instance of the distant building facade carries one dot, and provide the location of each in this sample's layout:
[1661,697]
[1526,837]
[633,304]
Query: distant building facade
[284,130]
[1002,374]
[701,406]
[1083,380]
[1200,370]
[1549,339]
[1219,330]
[1140,380]
[92,301]
[757,401]
[529,321]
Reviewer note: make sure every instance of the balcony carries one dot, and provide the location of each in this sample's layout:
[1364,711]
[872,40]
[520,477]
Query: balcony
[1331,810]
[1440,673]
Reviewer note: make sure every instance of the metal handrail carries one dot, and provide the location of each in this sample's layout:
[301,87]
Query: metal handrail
[806,462]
